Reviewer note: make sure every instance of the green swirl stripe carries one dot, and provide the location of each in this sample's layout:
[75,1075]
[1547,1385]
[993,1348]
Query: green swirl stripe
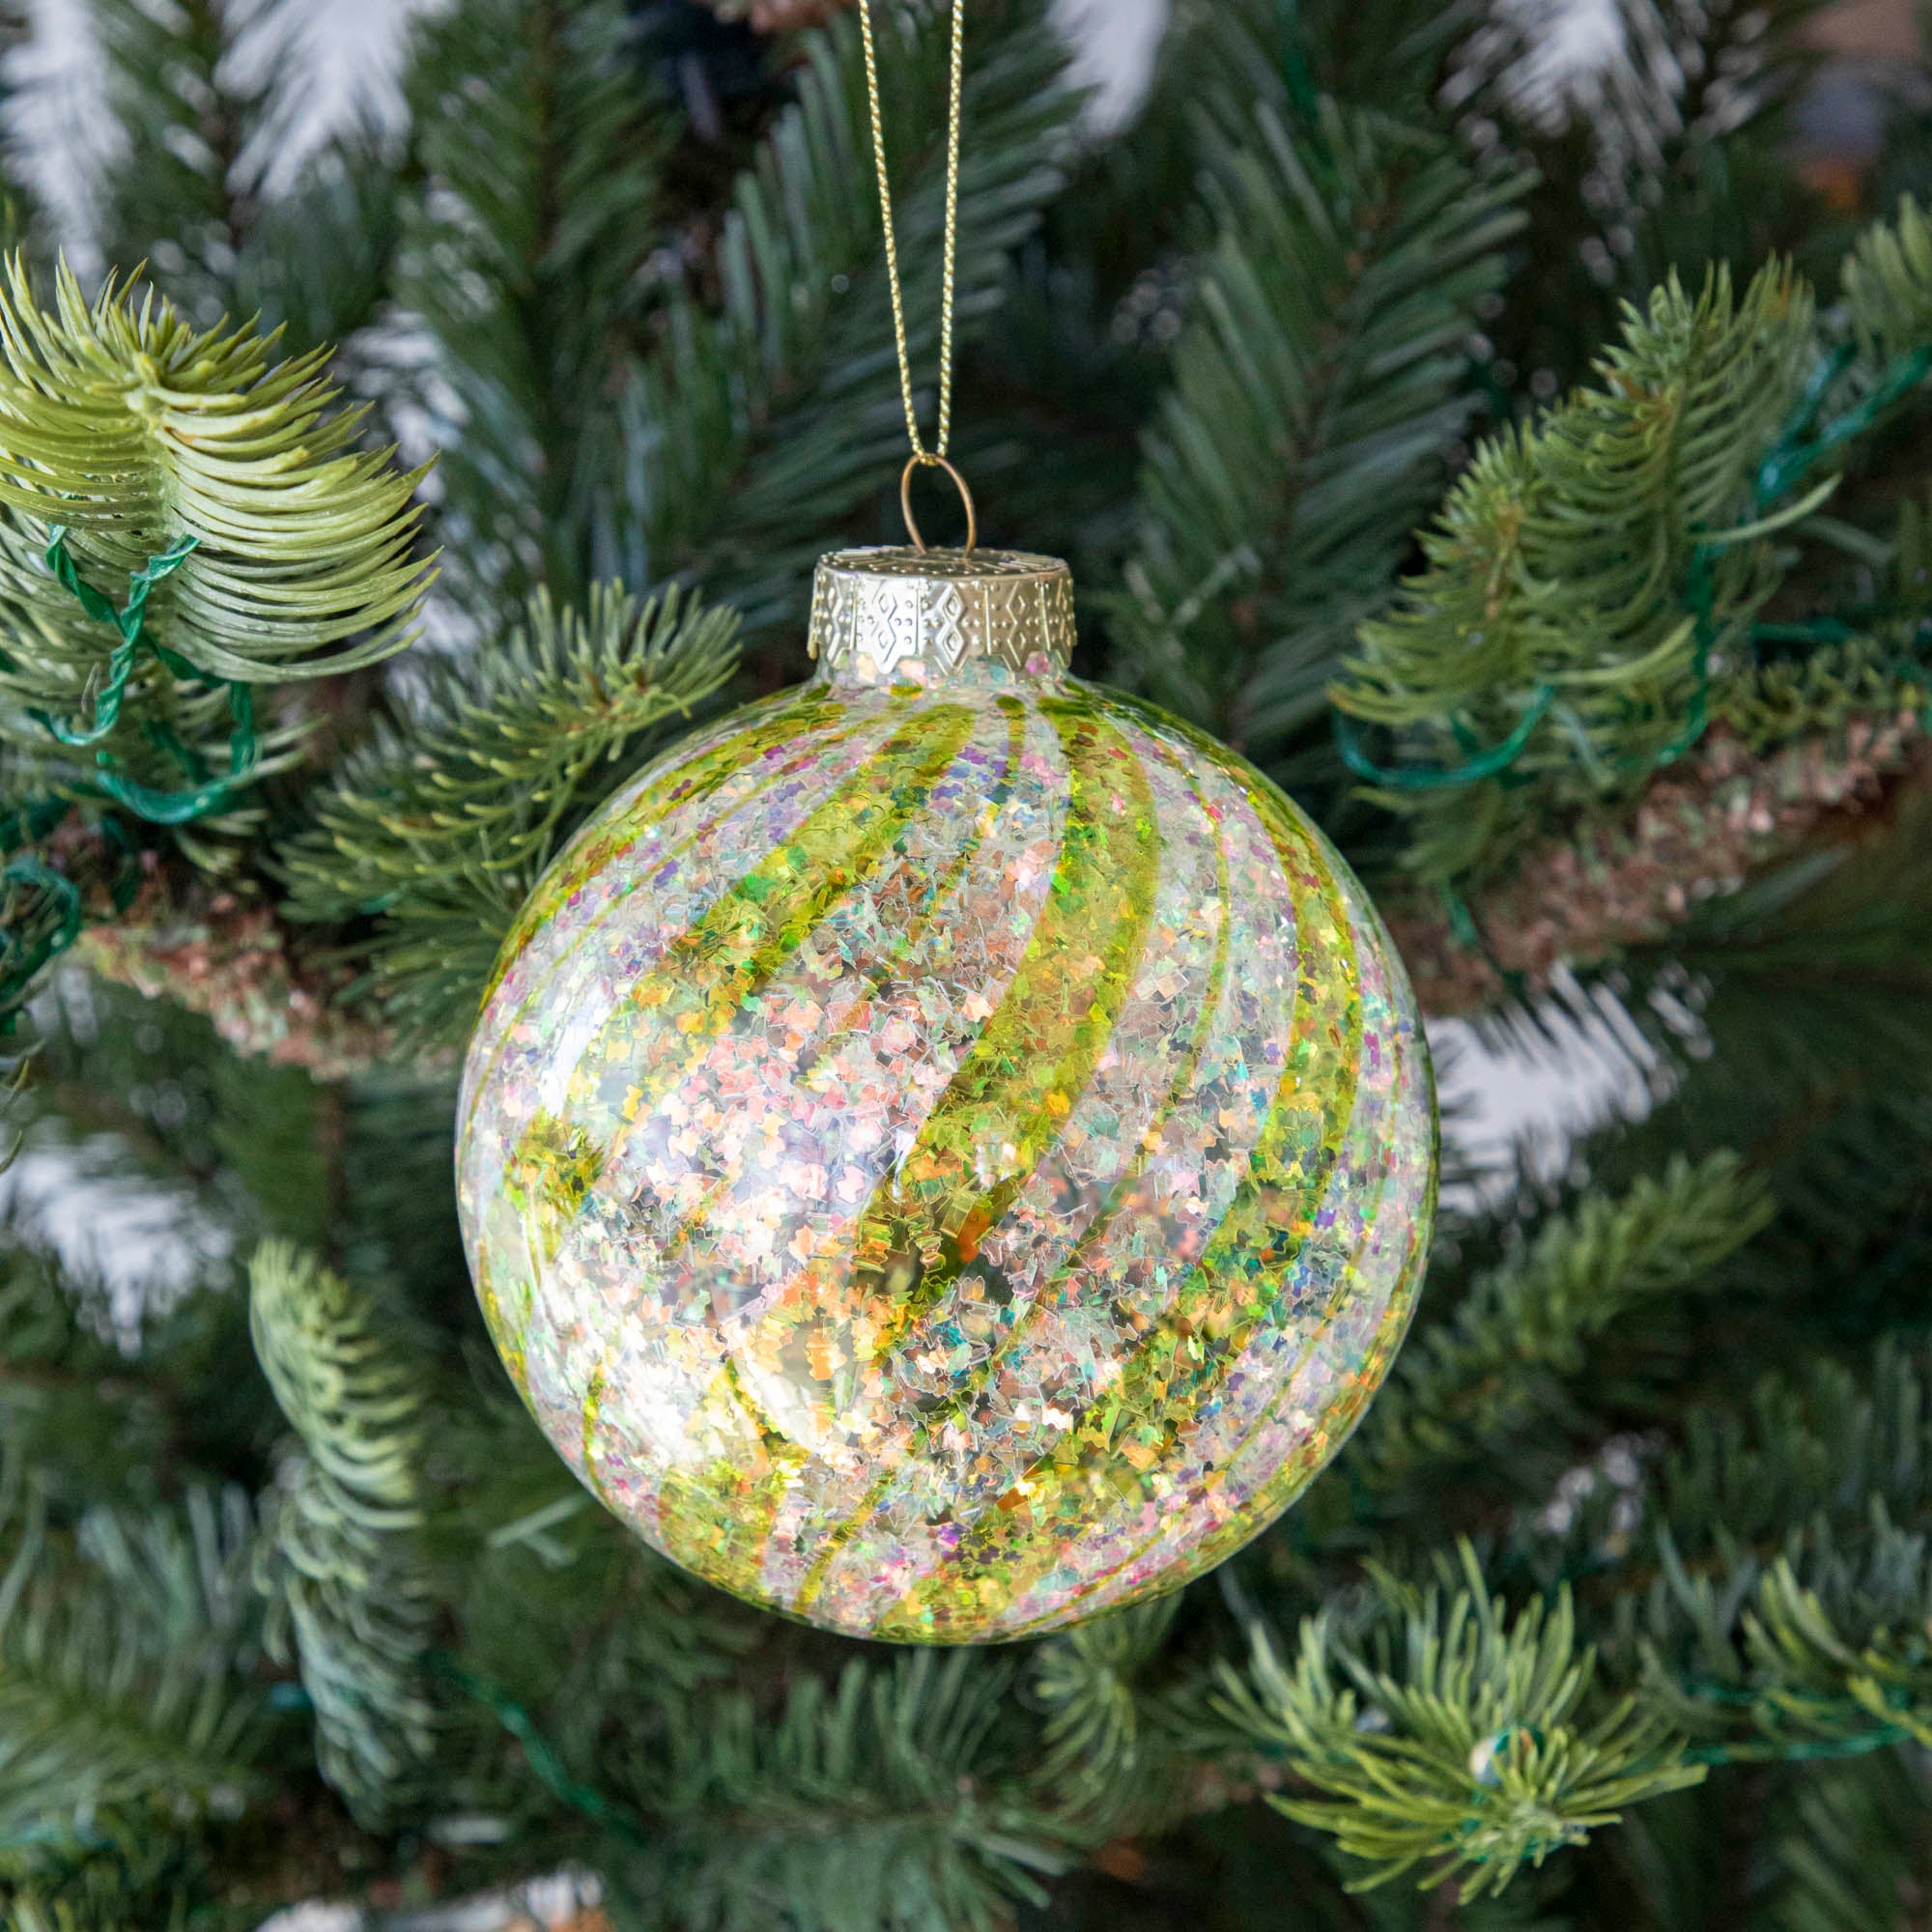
[641,818]
[1308,1461]
[913,935]
[716,1520]
[691,779]
[920,928]
[1338,1422]
[1135,1169]
[677,788]
[1112,1204]
[1229,1291]
[506,1336]
[1037,1050]
[753,1507]
[1287,1481]
[704,977]
[594,1409]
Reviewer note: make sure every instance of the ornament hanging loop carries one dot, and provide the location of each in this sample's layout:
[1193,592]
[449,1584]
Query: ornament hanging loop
[924,458]
[928,461]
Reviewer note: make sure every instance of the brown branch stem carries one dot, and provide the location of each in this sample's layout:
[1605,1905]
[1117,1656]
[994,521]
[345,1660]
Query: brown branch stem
[1700,831]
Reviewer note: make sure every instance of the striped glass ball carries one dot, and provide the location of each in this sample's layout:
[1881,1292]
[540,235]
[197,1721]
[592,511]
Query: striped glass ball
[949,1152]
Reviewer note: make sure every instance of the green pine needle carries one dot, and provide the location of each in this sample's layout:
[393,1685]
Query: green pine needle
[1850,1846]
[1099,1756]
[126,425]
[350,1597]
[1460,1741]
[1511,1367]
[872,1802]
[1319,380]
[1789,1558]
[441,825]
[126,1653]
[1556,614]
[526,258]
[201,93]
[1887,284]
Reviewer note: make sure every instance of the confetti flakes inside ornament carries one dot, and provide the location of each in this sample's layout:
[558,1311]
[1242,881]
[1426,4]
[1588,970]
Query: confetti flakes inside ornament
[949,1152]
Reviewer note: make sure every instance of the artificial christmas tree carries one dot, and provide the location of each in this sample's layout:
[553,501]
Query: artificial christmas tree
[1513,462]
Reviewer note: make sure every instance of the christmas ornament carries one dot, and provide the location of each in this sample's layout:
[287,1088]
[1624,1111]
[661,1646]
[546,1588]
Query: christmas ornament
[950,1151]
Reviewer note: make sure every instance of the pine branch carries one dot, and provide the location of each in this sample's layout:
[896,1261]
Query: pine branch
[1850,1849]
[1887,283]
[1099,1758]
[872,1804]
[1458,1740]
[1322,378]
[1851,1637]
[1775,1599]
[232,958]
[1395,57]
[1760,1597]
[71,1405]
[184,520]
[1556,615]
[1814,981]
[526,261]
[1695,838]
[125,1655]
[1585,659]
[319,259]
[133,431]
[200,93]
[1666,152]
[205,95]
[1505,1371]
[778,17]
[440,827]
[125,1368]
[567,1612]
[351,1601]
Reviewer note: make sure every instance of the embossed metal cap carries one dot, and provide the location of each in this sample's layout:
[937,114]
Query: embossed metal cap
[890,617]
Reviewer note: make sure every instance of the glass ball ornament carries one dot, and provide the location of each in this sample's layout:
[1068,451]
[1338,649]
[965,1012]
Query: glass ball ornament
[949,1150]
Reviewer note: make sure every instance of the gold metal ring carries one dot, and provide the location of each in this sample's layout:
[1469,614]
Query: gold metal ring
[965,496]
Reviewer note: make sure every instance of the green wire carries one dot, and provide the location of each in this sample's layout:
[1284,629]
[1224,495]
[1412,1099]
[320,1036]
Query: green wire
[156,806]
[50,927]
[549,1769]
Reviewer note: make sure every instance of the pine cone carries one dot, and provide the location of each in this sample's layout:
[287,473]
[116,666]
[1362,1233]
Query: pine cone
[778,17]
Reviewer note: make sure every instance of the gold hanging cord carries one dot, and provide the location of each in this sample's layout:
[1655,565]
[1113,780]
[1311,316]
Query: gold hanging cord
[924,458]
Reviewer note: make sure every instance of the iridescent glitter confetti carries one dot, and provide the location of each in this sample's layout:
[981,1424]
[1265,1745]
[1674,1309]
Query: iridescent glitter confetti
[949,1152]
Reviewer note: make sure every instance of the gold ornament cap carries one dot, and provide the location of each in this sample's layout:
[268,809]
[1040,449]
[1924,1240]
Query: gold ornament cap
[922,616]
